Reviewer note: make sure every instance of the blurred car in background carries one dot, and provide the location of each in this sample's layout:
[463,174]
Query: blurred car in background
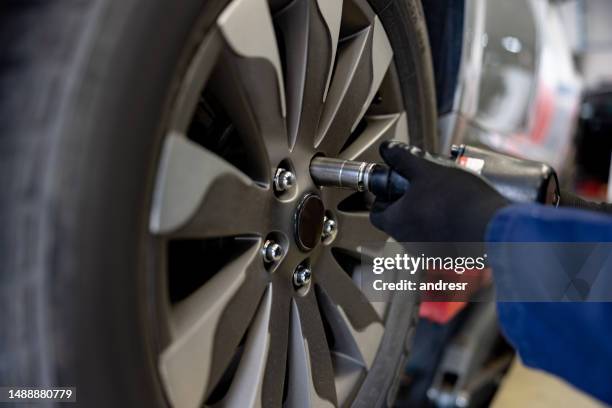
[518,91]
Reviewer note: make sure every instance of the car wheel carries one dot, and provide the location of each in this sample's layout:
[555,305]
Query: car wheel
[163,241]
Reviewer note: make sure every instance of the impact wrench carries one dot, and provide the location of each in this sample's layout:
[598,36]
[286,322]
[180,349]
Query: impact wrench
[516,179]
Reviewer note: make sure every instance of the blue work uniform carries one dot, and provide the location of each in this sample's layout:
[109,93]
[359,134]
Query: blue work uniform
[572,340]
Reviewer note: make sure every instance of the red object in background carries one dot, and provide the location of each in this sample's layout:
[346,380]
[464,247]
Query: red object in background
[544,109]
[443,312]
[440,312]
[592,189]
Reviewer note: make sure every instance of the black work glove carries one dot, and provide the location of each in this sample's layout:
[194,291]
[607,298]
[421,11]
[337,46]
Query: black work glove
[444,203]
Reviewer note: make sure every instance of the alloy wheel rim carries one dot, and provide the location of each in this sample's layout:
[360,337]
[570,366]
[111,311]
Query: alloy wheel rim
[301,82]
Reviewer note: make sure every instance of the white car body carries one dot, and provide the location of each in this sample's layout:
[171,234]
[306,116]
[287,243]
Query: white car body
[518,91]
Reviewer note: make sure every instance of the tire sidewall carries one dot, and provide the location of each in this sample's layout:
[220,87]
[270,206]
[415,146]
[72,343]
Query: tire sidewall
[89,306]
[90,315]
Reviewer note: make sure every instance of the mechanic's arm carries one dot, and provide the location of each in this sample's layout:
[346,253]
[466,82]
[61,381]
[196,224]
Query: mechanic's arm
[448,204]
[571,340]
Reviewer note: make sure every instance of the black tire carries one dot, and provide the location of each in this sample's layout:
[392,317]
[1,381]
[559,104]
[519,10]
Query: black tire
[79,84]
[405,25]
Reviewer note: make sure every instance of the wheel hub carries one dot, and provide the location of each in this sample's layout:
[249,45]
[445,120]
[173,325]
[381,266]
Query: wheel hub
[309,216]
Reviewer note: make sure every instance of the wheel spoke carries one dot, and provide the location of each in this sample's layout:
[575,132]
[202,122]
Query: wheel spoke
[247,26]
[357,234]
[379,306]
[346,90]
[349,374]
[310,35]
[363,60]
[344,293]
[191,179]
[331,10]
[236,317]
[334,196]
[314,333]
[310,369]
[246,388]
[184,365]
[382,54]
[274,380]
[378,129]
[367,340]
[248,80]
[195,78]
[359,345]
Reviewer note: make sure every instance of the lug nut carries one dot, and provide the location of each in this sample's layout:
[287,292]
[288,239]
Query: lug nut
[301,276]
[329,228]
[283,180]
[271,251]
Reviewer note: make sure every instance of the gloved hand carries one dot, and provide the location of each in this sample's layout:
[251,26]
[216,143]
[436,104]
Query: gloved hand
[443,203]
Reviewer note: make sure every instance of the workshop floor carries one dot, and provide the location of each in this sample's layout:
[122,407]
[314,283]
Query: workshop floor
[524,387]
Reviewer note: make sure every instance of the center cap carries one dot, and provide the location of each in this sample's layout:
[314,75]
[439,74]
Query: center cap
[309,221]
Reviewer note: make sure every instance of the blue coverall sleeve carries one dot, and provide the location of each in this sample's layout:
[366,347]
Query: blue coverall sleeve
[570,340]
